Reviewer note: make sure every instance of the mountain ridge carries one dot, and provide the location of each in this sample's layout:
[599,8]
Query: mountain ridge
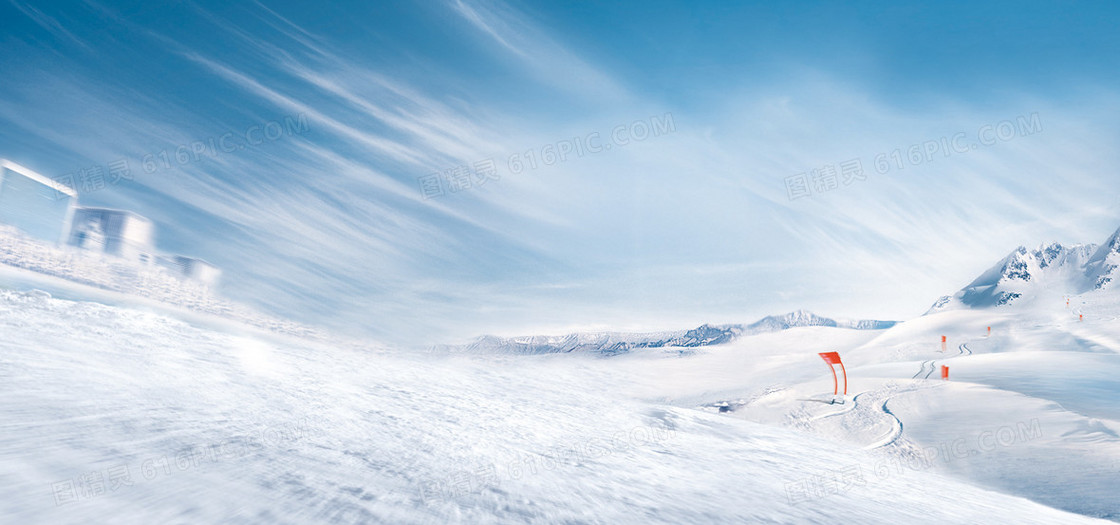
[613,343]
[1074,269]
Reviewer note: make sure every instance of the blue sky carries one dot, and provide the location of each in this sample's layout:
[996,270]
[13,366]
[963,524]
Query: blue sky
[329,224]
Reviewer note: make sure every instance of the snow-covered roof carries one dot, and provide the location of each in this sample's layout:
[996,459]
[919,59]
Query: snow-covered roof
[115,211]
[41,179]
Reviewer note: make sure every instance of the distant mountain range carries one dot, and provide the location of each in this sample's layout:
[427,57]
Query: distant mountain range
[611,343]
[1075,269]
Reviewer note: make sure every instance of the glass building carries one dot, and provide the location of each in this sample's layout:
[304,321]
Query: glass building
[40,207]
[115,232]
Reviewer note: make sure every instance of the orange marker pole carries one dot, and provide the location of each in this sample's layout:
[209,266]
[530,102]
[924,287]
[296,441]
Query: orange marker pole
[942,343]
[989,330]
[944,372]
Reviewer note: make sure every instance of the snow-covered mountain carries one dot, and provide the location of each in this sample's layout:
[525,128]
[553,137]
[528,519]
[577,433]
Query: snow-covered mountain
[611,343]
[774,323]
[1075,269]
[1101,267]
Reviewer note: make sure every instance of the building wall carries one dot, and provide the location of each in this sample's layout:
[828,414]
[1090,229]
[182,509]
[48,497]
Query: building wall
[34,203]
[202,272]
[114,232]
[129,236]
[191,268]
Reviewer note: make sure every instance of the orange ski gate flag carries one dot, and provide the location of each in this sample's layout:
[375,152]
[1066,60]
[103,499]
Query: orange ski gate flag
[833,358]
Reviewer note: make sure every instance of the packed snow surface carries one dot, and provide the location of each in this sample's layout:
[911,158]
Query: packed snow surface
[119,416]
[112,414]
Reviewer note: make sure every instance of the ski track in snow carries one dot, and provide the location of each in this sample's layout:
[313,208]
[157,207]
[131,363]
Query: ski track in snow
[847,409]
[923,368]
[895,433]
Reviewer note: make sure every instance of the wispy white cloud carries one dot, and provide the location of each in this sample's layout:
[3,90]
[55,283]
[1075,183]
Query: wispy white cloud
[549,61]
[49,23]
[391,148]
[475,18]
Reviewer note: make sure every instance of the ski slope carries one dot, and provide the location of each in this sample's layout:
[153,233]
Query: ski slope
[217,426]
[1030,410]
[125,413]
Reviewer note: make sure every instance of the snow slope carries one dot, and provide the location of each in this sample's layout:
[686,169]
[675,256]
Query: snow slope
[215,427]
[1029,410]
[112,414]
[1030,405]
